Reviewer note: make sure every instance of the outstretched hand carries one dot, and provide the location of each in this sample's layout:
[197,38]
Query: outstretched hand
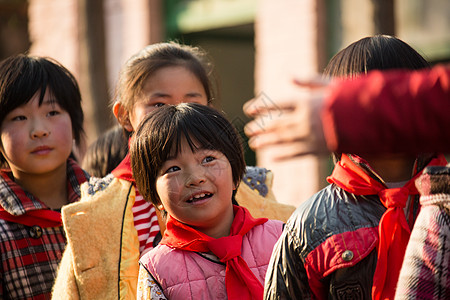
[290,128]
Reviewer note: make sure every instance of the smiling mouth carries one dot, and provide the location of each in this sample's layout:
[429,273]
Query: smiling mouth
[199,197]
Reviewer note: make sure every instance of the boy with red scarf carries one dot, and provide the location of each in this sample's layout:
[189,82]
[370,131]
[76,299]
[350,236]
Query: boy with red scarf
[188,161]
[349,239]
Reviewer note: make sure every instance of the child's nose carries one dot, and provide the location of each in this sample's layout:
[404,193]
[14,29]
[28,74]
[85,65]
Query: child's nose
[39,131]
[196,177]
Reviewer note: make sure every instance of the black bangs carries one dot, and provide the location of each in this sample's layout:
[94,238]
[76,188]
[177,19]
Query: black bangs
[21,76]
[197,130]
[204,130]
[19,82]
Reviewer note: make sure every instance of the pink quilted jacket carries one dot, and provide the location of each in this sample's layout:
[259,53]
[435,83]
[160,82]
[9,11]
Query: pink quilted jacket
[191,275]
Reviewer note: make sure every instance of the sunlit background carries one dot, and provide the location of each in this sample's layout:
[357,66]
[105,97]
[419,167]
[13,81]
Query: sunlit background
[257,47]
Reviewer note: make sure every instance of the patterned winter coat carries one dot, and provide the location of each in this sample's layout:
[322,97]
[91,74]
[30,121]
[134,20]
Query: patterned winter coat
[191,275]
[426,268]
[30,254]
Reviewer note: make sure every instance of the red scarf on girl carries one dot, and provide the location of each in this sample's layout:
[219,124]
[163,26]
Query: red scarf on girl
[123,170]
[393,230]
[240,281]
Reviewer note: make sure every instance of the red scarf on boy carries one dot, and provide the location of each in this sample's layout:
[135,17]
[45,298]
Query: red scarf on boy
[35,212]
[240,281]
[393,230]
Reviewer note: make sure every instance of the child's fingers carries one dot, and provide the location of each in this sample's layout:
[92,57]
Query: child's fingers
[267,123]
[258,128]
[312,83]
[264,104]
[261,106]
[281,152]
[281,132]
[253,128]
[269,138]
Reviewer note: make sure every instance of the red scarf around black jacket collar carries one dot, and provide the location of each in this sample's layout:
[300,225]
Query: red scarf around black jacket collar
[240,281]
[393,230]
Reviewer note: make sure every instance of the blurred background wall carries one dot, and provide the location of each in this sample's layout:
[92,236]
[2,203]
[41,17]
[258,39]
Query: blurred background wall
[258,46]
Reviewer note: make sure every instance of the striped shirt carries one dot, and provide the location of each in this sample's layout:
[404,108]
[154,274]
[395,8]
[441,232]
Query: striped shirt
[145,221]
[144,213]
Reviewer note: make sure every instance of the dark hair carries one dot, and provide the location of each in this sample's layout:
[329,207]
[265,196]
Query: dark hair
[105,154]
[157,56]
[379,52]
[161,132]
[21,76]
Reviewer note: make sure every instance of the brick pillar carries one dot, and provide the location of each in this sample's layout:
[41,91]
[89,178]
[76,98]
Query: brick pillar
[289,43]
[131,25]
[54,32]
[53,29]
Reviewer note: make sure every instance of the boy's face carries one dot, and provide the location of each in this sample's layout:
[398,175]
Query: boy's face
[168,86]
[196,189]
[36,139]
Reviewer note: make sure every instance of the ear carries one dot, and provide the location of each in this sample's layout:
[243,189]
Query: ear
[122,115]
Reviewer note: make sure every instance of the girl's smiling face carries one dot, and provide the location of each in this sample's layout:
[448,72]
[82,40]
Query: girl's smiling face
[167,86]
[195,187]
[36,139]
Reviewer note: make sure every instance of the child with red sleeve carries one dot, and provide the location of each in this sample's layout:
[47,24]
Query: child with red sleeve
[365,215]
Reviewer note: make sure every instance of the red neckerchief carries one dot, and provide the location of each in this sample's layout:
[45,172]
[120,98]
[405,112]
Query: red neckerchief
[123,170]
[393,230]
[240,281]
[42,217]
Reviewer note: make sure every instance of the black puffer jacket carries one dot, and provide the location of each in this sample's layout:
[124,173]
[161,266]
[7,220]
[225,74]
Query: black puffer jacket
[327,249]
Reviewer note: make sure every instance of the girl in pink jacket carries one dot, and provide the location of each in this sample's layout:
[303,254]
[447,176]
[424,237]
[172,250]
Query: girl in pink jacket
[188,160]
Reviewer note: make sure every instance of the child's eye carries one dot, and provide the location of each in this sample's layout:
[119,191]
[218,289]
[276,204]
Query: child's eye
[159,104]
[193,95]
[19,118]
[53,113]
[172,169]
[208,159]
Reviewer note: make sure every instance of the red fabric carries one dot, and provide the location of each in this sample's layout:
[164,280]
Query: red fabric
[327,257]
[393,229]
[240,281]
[391,111]
[42,217]
[123,170]
[35,215]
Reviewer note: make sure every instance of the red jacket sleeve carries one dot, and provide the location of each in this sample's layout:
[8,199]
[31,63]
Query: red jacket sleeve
[394,111]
